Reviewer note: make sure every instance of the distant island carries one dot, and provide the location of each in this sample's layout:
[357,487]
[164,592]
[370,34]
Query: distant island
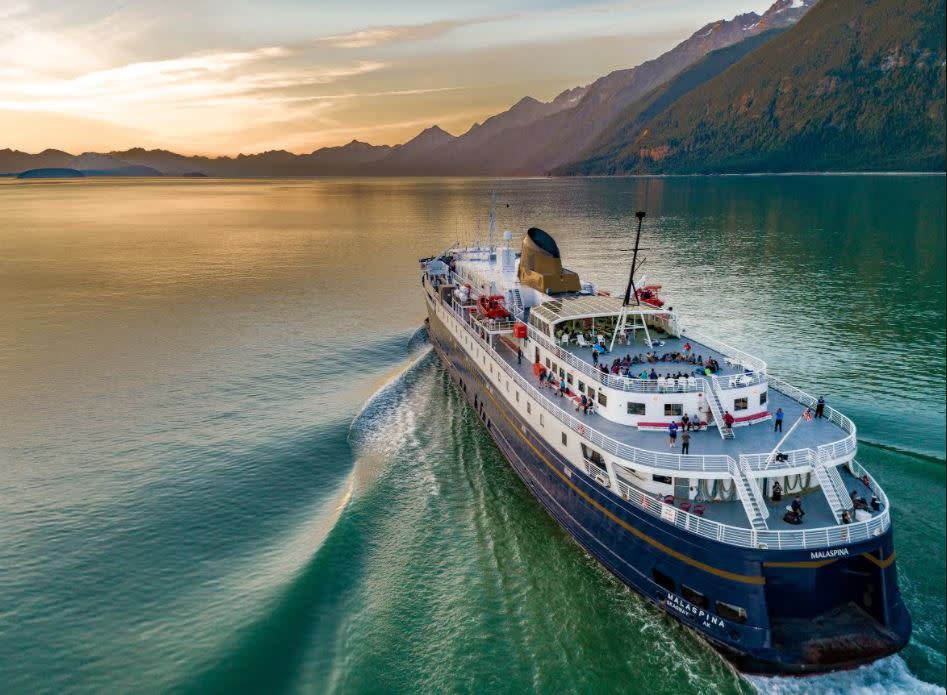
[838,85]
[50,173]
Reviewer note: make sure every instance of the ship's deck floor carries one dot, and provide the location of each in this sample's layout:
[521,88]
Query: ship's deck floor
[818,514]
[749,439]
[670,345]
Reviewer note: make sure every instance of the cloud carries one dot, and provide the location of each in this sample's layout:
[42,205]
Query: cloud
[375,36]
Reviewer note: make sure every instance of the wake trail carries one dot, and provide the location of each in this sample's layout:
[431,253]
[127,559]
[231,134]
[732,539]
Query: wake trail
[889,676]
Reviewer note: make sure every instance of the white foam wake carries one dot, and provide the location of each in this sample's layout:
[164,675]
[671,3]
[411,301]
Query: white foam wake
[889,676]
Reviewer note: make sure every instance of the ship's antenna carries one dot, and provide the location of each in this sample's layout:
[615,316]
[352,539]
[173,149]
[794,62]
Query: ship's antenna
[634,264]
[493,219]
[626,302]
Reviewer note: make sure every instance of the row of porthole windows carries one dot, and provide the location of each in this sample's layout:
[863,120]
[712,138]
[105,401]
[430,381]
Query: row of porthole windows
[727,611]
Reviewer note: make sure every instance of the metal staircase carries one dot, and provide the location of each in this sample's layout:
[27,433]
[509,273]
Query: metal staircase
[751,496]
[832,487]
[713,400]
[517,303]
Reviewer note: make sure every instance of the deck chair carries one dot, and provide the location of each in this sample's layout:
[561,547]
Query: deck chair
[581,342]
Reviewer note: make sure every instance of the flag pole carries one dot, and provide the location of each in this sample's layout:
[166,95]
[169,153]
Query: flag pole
[772,454]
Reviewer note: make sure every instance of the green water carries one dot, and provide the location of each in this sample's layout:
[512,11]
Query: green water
[230,463]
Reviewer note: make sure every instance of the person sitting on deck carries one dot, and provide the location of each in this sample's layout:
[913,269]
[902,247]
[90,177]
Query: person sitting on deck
[791,517]
[686,422]
[858,502]
[875,503]
[846,517]
[602,368]
[707,371]
[797,507]
[616,369]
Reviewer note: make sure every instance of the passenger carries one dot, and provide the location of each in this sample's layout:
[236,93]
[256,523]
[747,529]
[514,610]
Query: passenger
[685,423]
[866,481]
[685,442]
[846,517]
[584,404]
[594,357]
[695,422]
[791,517]
[797,507]
[616,369]
[727,418]
[563,389]
[672,433]
[778,420]
[875,503]
[644,374]
[519,355]
[777,492]
[653,374]
[687,348]
[820,407]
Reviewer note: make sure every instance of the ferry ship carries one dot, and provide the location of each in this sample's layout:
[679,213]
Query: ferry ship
[774,545]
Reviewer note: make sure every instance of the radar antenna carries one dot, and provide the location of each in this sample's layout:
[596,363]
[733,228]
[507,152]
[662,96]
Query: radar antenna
[626,302]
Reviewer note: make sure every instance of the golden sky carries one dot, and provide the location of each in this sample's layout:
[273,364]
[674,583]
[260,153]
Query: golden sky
[215,77]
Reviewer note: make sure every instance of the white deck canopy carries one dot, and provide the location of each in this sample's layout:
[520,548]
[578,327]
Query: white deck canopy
[585,307]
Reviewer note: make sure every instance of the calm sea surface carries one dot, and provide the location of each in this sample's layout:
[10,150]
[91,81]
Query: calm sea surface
[230,463]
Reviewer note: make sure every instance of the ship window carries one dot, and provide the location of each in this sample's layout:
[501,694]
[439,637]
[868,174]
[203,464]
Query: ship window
[562,373]
[635,408]
[763,398]
[517,396]
[602,398]
[593,456]
[663,580]
[548,363]
[730,612]
[541,420]
[591,393]
[674,409]
[529,408]
[694,596]
[581,386]
[565,439]
[740,404]
[569,378]
[666,479]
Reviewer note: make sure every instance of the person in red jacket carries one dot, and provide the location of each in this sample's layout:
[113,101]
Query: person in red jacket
[727,418]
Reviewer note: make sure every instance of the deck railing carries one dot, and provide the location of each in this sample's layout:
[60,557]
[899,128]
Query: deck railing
[754,364]
[725,533]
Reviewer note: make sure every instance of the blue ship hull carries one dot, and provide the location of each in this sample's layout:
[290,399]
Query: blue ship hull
[806,611]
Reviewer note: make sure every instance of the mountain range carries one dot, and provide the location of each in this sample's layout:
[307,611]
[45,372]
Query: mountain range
[849,85]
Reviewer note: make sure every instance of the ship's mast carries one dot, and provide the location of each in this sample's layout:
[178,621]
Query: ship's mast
[626,303]
[492,225]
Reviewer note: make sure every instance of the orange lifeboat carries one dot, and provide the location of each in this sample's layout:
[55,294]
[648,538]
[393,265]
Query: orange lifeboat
[493,306]
[649,295]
